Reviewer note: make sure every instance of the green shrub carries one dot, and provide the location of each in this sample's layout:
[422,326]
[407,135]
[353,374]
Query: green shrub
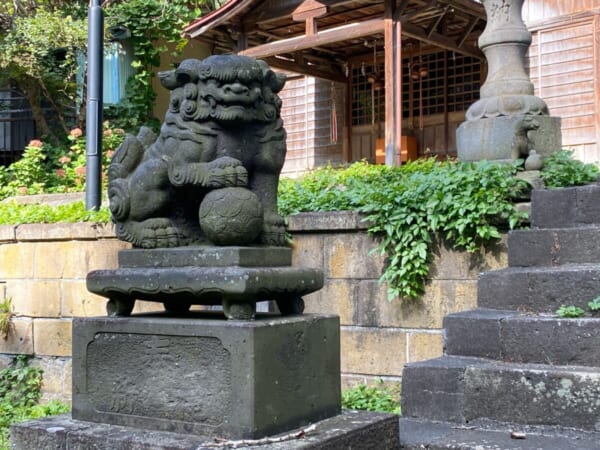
[12,213]
[464,203]
[48,169]
[562,170]
[380,398]
[20,393]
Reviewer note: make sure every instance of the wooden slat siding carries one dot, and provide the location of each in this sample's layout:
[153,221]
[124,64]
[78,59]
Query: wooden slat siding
[594,155]
[565,79]
[293,111]
[535,10]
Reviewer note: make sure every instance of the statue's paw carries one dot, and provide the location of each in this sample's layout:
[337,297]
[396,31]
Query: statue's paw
[274,232]
[151,233]
[229,176]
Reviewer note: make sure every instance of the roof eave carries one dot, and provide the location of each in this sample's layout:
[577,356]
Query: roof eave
[215,18]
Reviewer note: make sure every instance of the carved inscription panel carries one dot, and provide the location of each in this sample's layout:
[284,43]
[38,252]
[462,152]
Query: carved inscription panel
[178,378]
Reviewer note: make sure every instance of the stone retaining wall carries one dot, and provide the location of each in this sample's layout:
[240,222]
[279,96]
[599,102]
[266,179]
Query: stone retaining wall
[43,270]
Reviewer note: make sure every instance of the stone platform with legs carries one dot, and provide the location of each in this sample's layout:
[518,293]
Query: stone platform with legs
[234,277]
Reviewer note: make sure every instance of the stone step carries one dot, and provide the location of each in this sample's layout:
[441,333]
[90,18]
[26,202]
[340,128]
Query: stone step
[473,390]
[554,246]
[417,434]
[539,289]
[565,208]
[523,338]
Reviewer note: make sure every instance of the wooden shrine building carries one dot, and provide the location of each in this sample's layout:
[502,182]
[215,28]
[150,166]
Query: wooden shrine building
[387,80]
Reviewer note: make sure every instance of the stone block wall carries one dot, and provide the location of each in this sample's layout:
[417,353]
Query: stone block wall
[43,269]
[379,336]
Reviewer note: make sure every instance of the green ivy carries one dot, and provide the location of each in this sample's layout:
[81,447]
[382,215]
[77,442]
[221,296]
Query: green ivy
[20,393]
[561,170]
[153,24]
[465,203]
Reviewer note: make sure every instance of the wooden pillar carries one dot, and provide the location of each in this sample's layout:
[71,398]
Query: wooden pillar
[393,84]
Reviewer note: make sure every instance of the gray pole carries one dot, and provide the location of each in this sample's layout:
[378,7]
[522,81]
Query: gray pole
[93,133]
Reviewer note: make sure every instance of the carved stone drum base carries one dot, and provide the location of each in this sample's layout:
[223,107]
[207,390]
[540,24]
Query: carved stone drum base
[234,277]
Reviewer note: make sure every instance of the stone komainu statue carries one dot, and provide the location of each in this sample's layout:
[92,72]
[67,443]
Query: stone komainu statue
[211,175]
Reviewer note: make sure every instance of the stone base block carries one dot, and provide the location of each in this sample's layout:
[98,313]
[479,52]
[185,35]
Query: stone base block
[206,376]
[357,430]
[494,138]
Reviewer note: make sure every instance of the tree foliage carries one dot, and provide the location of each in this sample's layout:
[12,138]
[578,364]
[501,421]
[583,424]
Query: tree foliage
[41,40]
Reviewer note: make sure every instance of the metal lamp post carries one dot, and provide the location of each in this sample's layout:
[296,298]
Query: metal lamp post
[94,106]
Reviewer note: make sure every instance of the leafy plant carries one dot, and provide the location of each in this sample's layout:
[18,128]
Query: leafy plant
[12,213]
[570,312]
[561,170]
[20,393]
[464,203]
[6,315]
[153,24]
[379,397]
[594,306]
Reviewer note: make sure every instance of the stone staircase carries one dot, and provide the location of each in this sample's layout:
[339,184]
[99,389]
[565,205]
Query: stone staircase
[514,376]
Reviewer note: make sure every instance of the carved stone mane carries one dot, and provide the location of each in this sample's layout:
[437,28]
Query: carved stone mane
[222,132]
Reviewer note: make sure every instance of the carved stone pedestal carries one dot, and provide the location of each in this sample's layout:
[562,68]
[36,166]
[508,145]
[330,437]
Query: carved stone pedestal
[162,382]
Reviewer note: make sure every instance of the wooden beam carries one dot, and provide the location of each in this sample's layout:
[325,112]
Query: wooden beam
[439,40]
[393,84]
[329,36]
[437,21]
[273,10]
[305,69]
[470,27]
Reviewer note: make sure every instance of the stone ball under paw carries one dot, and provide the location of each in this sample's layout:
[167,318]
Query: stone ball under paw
[231,216]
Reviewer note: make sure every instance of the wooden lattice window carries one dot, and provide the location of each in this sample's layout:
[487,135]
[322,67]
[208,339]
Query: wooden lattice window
[452,84]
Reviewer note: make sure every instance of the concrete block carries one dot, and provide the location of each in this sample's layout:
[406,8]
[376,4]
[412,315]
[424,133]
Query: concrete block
[35,298]
[307,251]
[56,377]
[554,208]
[17,260]
[330,221]
[588,204]
[353,429]
[77,301]
[52,337]
[451,264]
[422,345]
[373,351]
[474,333]
[20,337]
[347,256]
[237,379]
[8,233]
[420,434]
[553,247]
[441,297]
[336,297]
[539,289]
[55,231]
[533,395]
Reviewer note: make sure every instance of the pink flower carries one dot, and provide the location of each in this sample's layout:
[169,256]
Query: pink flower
[110,153]
[107,133]
[80,170]
[60,173]
[64,159]
[22,190]
[76,132]
[35,143]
